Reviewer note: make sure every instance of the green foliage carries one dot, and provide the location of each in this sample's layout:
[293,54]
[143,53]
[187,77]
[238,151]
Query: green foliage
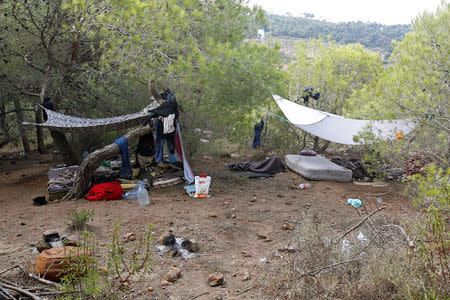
[337,72]
[432,194]
[78,219]
[415,87]
[87,278]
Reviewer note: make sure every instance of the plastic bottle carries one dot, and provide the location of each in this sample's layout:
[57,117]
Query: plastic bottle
[304,186]
[142,196]
[132,194]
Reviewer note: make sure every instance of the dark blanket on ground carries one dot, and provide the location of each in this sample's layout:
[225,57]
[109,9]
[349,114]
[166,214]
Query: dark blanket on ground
[354,164]
[271,165]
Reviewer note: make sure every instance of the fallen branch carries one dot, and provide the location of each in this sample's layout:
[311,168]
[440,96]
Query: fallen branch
[317,271]
[9,269]
[244,291]
[359,224]
[202,294]
[20,290]
[42,280]
[5,294]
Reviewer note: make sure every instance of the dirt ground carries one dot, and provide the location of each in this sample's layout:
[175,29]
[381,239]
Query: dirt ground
[232,245]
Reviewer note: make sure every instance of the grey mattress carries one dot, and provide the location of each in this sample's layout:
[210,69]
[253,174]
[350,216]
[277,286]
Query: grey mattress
[317,168]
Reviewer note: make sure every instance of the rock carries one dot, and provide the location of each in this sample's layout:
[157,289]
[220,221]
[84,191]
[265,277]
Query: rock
[176,270]
[233,209]
[103,269]
[164,283]
[233,216]
[250,204]
[42,245]
[288,226]
[171,276]
[215,279]
[212,215]
[253,199]
[246,276]
[129,237]
[150,289]
[50,235]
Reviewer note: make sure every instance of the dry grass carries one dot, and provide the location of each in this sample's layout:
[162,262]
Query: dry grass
[327,267]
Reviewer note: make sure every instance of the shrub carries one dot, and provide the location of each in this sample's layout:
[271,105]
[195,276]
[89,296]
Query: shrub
[88,278]
[78,219]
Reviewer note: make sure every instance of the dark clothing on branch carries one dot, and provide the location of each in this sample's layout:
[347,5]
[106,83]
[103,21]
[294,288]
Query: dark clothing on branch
[48,105]
[257,137]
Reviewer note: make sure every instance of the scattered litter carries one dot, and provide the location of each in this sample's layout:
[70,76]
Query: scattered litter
[379,200]
[202,183]
[362,237]
[263,259]
[190,190]
[355,202]
[304,186]
[197,130]
[207,157]
[38,201]
[234,155]
[180,247]
[346,247]
[203,141]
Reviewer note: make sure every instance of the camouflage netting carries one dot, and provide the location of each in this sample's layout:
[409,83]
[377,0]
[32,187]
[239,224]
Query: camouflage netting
[61,122]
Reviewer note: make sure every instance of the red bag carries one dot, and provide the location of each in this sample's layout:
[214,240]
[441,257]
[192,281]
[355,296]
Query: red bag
[105,191]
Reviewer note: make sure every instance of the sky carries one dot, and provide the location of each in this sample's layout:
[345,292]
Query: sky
[388,12]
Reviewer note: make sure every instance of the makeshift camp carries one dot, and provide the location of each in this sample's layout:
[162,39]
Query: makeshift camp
[61,122]
[317,168]
[336,128]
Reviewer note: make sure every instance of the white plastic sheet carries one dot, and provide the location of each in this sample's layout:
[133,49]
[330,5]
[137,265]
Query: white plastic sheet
[336,128]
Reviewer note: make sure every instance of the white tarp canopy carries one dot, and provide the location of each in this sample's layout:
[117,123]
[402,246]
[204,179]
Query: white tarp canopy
[336,128]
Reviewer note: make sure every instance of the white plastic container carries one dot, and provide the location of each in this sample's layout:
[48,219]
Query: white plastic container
[202,183]
[142,196]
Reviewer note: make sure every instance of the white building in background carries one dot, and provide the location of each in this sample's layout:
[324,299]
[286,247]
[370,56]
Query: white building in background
[261,33]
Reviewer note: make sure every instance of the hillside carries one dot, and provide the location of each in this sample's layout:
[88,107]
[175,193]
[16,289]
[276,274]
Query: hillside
[374,36]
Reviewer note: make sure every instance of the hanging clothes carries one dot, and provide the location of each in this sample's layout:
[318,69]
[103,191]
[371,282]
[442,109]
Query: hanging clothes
[125,170]
[257,137]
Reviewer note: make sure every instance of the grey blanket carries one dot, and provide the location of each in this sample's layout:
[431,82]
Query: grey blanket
[271,165]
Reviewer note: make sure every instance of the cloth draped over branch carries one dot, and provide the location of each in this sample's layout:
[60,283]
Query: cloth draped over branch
[65,123]
[336,128]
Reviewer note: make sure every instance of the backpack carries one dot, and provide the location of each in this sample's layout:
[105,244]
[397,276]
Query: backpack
[105,191]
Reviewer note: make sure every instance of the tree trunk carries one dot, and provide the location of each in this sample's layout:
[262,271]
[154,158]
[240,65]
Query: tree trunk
[39,131]
[317,147]
[22,131]
[90,163]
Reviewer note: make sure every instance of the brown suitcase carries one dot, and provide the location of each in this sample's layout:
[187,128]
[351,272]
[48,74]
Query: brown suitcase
[50,263]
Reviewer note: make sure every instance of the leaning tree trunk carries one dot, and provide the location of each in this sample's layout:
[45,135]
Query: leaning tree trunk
[84,174]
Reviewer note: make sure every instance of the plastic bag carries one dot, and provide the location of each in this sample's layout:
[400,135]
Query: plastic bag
[202,183]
